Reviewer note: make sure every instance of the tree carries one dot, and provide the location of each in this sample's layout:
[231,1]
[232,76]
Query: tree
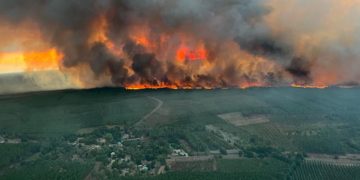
[223,151]
[241,153]
[109,137]
[248,154]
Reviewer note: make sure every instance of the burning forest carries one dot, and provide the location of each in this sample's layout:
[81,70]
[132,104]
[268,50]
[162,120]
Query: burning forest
[184,44]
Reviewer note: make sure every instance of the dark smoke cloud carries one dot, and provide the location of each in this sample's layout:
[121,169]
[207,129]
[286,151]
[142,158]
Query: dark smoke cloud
[264,46]
[300,69]
[148,68]
[101,60]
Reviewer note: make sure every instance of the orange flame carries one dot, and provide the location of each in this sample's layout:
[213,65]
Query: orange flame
[30,61]
[141,36]
[247,85]
[185,53]
[147,86]
[305,86]
[43,60]
[99,34]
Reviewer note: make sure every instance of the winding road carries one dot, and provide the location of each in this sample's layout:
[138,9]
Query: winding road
[160,103]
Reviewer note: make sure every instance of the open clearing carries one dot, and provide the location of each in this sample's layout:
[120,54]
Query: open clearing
[237,119]
[227,137]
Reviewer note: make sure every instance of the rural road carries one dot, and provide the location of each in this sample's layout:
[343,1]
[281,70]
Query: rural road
[144,118]
[160,103]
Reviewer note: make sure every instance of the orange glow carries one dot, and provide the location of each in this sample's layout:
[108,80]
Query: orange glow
[177,86]
[12,62]
[185,53]
[24,48]
[99,34]
[147,86]
[247,85]
[141,40]
[43,60]
[140,35]
[309,86]
[30,61]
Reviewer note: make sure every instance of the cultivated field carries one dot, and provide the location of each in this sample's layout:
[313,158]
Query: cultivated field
[316,170]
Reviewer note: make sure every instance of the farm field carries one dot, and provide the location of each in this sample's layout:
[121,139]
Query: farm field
[319,170]
[288,132]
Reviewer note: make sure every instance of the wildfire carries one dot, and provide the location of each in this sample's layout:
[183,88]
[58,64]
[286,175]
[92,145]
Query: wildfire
[24,48]
[11,62]
[144,51]
[247,85]
[148,86]
[99,34]
[140,35]
[30,61]
[142,40]
[43,60]
[305,86]
[185,53]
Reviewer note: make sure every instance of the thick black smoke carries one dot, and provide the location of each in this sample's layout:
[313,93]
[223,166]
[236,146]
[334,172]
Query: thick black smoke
[300,69]
[148,68]
[101,61]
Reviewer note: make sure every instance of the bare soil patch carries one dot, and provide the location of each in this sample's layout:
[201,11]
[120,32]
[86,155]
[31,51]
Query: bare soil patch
[348,159]
[238,119]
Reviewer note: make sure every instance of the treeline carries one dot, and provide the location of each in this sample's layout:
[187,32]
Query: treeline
[45,170]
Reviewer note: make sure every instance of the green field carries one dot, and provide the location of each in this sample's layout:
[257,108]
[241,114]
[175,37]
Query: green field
[301,121]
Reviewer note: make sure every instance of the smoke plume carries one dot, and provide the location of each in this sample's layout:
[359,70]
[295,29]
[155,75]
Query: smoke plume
[196,43]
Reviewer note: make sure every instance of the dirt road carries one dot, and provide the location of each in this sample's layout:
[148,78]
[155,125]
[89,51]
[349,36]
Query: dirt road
[144,118]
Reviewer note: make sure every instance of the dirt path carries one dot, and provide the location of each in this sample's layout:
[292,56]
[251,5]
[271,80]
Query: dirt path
[94,170]
[161,170]
[144,118]
[214,165]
